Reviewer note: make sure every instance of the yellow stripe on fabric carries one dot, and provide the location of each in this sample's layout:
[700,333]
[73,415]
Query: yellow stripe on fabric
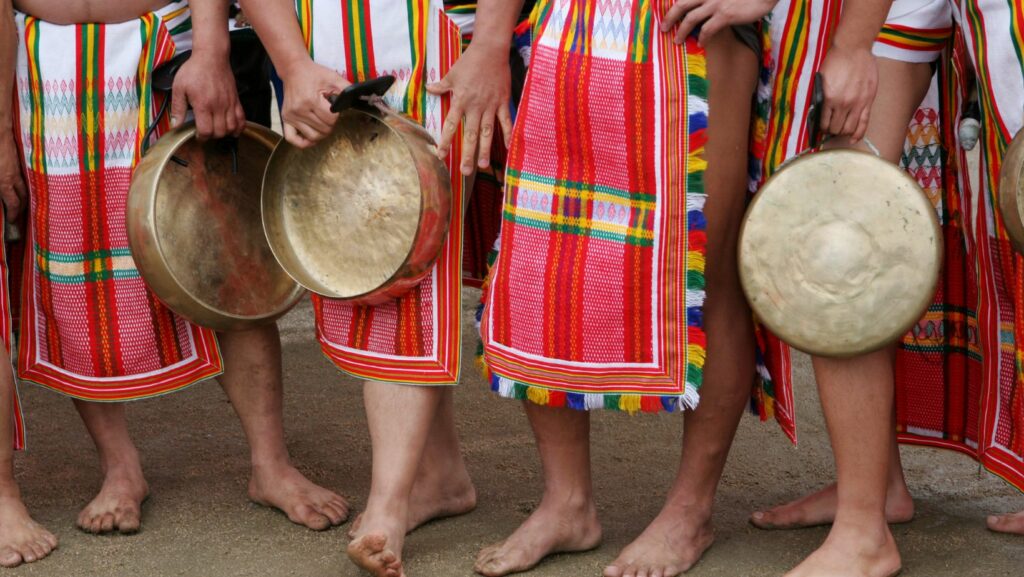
[38,160]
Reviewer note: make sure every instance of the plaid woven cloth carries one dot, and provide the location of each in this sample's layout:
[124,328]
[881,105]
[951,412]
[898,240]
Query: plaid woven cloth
[415,339]
[90,328]
[595,300]
[984,416]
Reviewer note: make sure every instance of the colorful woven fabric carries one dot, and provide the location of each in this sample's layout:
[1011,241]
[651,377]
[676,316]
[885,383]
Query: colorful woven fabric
[90,327]
[991,42]
[596,298]
[415,339]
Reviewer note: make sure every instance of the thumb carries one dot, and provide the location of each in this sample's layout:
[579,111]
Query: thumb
[440,87]
[179,106]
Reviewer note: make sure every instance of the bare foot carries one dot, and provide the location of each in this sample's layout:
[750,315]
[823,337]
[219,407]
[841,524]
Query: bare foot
[22,540]
[853,553]
[434,499]
[670,545]
[819,508]
[378,551]
[1011,523]
[556,528]
[118,506]
[284,488]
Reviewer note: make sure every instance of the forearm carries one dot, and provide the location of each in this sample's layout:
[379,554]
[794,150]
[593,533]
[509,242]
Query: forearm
[495,22]
[860,23]
[8,55]
[278,28]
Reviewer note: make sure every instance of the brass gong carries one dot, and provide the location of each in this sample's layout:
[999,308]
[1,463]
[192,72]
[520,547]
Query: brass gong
[361,215]
[1011,191]
[196,233]
[839,253]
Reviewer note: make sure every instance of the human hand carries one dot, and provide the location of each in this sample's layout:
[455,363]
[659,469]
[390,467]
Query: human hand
[207,84]
[716,15]
[12,186]
[306,113]
[480,84]
[850,84]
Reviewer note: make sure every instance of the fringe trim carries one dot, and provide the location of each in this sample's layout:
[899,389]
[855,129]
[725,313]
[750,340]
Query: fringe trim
[630,403]
[696,236]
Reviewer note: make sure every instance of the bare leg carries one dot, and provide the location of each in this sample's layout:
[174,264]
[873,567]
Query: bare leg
[400,419]
[857,394]
[566,519]
[442,487]
[22,540]
[682,531]
[252,380]
[819,508]
[118,506]
[1010,523]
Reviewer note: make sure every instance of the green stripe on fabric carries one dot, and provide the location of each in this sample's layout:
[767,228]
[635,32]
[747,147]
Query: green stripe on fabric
[631,239]
[96,276]
[82,257]
[512,174]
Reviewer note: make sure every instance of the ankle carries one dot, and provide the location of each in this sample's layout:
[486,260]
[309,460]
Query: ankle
[569,502]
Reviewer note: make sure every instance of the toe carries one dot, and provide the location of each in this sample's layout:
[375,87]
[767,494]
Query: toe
[50,539]
[107,523]
[9,557]
[336,516]
[39,551]
[306,515]
[613,570]
[642,572]
[657,572]
[630,571]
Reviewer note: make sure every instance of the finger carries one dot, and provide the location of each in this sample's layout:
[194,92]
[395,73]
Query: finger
[449,128]
[483,158]
[676,13]
[308,132]
[321,117]
[220,127]
[826,118]
[505,118]
[838,120]
[239,120]
[470,139]
[862,125]
[204,124]
[231,121]
[21,189]
[12,204]
[852,120]
[693,19]
[443,86]
[713,26]
[179,105]
[292,135]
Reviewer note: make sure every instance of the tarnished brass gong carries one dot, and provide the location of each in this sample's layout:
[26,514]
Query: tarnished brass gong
[839,253]
[363,214]
[1011,191]
[195,230]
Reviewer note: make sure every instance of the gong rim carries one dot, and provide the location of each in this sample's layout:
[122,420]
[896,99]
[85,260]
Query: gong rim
[767,300]
[425,243]
[149,251]
[1011,189]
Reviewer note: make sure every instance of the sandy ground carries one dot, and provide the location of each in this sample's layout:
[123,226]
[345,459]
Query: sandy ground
[199,522]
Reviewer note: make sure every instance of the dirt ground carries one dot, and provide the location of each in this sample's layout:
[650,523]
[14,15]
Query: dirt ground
[199,523]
